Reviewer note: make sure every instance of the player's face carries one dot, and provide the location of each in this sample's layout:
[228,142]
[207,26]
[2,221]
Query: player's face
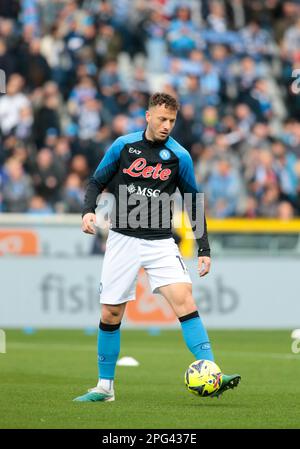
[161,121]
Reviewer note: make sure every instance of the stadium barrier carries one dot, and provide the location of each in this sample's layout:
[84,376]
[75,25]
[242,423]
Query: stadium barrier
[51,274]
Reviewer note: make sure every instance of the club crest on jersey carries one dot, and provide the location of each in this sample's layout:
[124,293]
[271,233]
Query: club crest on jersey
[140,168]
[165,154]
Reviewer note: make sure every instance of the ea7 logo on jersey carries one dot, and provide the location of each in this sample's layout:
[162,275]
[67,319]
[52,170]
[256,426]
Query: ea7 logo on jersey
[134,150]
[145,191]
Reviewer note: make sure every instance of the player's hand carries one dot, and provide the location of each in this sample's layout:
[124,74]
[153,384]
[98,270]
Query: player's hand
[203,265]
[89,223]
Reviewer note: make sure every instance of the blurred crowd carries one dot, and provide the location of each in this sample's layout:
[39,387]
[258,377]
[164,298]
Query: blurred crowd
[79,74]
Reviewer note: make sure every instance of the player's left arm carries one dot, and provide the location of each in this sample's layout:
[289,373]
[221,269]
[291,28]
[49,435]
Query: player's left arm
[187,184]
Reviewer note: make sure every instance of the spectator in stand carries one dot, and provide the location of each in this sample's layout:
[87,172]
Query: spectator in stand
[156,46]
[47,115]
[62,151]
[210,125]
[17,188]
[291,41]
[7,60]
[223,190]
[24,127]
[285,211]
[246,78]
[260,136]
[250,210]
[48,176]
[38,206]
[264,173]
[35,68]
[8,33]
[257,42]
[222,61]
[216,19]
[73,194]
[182,34]
[54,50]
[259,100]
[109,81]
[79,166]
[184,130]
[210,85]
[284,166]
[268,205]
[84,90]
[12,103]
[108,43]
[89,119]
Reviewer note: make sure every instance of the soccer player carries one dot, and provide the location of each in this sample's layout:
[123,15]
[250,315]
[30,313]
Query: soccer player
[147,164]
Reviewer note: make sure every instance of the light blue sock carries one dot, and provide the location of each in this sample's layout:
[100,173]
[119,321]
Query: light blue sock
[195,336]
[108,349]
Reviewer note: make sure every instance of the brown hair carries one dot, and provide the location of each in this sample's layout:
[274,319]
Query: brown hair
[160,98]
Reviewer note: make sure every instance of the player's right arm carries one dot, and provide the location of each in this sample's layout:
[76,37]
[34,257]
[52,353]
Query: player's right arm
[107,168]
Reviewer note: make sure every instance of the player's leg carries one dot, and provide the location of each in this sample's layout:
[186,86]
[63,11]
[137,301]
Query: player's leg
[108,353]
[109,343]
[179,296]
[118,284]
[169,276]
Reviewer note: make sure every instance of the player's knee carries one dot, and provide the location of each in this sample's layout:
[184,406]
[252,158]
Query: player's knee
[111,314]
[191,301]
[187,299]
[187,305]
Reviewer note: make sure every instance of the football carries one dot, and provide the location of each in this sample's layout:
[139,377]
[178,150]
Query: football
[203,378]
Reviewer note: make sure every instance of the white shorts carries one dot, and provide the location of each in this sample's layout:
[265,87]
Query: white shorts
[125,256]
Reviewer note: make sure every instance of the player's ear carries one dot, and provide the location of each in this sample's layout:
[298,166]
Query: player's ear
[148,114]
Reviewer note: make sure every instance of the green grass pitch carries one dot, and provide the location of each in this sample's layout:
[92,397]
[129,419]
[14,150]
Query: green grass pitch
[41,373]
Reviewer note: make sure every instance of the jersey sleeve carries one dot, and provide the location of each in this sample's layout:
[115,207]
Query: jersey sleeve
[187,184]
[105,171]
